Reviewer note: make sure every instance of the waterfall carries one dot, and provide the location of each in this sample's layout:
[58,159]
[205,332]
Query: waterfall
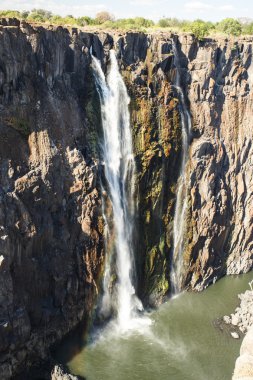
[119,172]
[182,185]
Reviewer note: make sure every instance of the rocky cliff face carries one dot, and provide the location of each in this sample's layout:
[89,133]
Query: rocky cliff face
[220,165]
[51,225]
[216,80]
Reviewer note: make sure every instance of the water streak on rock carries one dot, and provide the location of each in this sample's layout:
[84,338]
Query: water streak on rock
[181,198]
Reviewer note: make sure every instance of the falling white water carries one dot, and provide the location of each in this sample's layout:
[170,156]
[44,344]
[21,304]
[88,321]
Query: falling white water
[119,172]
[181,198]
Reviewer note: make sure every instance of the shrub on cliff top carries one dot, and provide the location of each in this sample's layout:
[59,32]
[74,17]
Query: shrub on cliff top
[248,28]
[171,23]
[230,26]
[164,23]
[137,23]
[85,20]
[7,13]
[39,15]
[143,22]
[199,28]
[105,19]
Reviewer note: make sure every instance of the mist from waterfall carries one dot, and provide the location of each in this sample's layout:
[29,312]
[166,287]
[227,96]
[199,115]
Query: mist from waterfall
[179,225]
[119,172]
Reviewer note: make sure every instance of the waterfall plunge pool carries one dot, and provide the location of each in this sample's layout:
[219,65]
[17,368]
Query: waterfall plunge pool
[181,344]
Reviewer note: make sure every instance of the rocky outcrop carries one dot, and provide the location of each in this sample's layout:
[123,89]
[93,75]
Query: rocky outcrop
[243,315]
[244,364]
[51,225]
[58,373]
[241,321]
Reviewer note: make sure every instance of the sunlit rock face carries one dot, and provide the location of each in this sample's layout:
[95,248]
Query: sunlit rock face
[220,164]
[243,366]
[52,253]
[216,78]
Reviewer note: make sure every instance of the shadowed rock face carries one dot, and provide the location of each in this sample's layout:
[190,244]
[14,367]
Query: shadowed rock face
[51,225]
[51,242]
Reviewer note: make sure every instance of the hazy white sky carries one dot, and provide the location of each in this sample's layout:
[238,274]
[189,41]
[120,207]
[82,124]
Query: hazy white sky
[213,10]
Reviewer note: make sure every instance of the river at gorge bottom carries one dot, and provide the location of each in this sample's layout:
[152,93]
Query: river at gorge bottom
[182,342]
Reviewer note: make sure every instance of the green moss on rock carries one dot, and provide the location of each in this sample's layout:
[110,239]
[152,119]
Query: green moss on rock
[20,124]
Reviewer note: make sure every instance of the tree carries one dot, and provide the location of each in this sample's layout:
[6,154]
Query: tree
[42,12]
[170,22]
[56,19]
[40,15]
[230,26]
[10,14]
[85,20]
[104,16]
[143,22]
[36,17]
[164,23]
[199,28]
[24,14]
[248,29]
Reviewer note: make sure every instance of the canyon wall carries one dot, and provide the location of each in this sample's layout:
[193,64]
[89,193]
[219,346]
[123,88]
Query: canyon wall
[216,78]
[51,224]
[220,167]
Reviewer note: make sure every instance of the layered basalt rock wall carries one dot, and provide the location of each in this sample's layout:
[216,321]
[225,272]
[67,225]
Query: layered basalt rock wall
[220,165]
[51,225]
[216,78]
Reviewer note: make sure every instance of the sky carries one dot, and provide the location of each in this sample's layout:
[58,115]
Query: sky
[213,10]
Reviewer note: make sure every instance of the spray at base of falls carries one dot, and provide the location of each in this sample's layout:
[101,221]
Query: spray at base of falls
[119,172]
[179,225]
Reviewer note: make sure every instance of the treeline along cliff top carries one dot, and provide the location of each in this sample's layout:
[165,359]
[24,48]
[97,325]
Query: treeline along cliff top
[201,29]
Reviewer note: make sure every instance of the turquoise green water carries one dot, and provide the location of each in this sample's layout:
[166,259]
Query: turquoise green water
[181,344]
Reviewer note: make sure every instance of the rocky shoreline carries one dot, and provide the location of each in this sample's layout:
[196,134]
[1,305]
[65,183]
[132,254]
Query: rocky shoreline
[242,318]
[48,370]
[237,324]
[60,373]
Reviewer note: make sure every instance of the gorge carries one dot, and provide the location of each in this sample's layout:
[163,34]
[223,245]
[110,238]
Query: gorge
[181,181]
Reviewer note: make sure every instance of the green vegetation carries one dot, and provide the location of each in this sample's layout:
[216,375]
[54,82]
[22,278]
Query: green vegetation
[171,23]
[20,125]
[102,19]
[230,26]
[137,23]
[199,28]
